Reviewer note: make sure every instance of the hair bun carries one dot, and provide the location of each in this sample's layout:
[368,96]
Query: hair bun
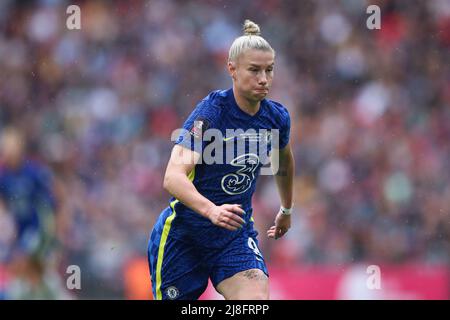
[251,28]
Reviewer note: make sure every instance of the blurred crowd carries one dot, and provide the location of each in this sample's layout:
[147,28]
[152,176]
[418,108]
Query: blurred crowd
[86,118]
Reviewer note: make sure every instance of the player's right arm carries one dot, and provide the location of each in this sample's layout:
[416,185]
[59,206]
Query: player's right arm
[177,183]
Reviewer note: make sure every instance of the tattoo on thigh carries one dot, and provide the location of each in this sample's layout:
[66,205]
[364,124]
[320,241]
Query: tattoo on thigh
[282,172]
[254,274]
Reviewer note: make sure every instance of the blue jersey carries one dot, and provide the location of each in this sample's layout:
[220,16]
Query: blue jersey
[233,180]
[27,194]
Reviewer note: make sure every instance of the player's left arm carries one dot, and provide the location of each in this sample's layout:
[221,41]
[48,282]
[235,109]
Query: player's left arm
[284,178]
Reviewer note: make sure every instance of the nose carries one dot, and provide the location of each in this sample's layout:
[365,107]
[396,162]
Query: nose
[262,79]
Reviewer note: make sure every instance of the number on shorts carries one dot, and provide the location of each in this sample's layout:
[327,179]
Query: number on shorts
[252,245]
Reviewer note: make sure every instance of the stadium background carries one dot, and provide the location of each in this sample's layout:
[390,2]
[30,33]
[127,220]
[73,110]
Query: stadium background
[370,116]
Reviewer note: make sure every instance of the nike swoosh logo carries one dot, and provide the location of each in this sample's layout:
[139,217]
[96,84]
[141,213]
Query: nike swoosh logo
[229,138]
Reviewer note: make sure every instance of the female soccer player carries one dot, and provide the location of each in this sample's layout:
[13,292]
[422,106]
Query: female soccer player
[207,230]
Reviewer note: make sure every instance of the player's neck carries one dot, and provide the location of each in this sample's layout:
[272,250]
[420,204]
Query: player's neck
[248,106]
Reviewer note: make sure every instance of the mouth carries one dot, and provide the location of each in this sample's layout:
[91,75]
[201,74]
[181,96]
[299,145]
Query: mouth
[262,90]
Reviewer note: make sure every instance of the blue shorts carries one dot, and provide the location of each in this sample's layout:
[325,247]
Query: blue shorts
[180,270]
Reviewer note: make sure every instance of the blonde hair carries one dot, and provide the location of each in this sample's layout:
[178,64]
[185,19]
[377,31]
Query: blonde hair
[250,40]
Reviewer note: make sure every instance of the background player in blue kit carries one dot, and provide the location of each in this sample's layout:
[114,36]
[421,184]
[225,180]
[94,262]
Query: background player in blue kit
[27,194]
[207,230]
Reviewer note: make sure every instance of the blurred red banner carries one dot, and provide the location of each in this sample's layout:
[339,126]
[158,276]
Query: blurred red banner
[405,282]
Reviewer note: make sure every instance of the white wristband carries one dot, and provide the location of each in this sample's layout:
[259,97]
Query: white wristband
[285,211]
